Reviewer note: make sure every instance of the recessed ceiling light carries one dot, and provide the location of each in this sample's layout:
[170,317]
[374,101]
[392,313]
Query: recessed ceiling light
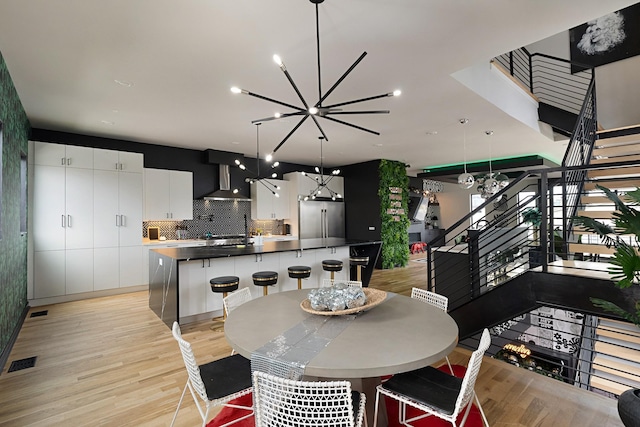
[377,145]
[123,83]
[431,132]
[107,122]
[235,142]
[115,111]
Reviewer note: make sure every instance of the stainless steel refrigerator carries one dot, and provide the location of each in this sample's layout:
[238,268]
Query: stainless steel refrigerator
[321,219]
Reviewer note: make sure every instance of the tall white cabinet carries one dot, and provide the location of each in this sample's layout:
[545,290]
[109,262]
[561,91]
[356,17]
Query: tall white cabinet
[87,219]
[265,205]
[168,195]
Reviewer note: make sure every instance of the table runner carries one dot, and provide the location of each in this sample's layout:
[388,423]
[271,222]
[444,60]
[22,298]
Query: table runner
[287,354]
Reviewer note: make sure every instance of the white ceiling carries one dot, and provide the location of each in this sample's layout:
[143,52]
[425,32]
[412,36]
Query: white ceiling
[181,58]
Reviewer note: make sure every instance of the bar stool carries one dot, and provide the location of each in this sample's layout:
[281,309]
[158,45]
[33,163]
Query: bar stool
[299,272]
[265,279]
[359,262]
[332,265]
[223,285]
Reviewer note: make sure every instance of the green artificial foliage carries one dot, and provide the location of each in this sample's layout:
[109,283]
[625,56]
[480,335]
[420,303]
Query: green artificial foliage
[625,269]
[395,239]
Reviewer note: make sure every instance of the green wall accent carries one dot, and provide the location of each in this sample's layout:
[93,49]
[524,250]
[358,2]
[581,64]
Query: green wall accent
[395,239]
[13,246]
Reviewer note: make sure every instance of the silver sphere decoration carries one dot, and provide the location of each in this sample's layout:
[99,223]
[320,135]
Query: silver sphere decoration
[465,181]
[491,186]
[502,180]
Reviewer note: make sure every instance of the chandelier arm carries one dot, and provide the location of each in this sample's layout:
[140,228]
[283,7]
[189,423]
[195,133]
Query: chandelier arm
[352,125]
[293,107]
[290,133]
[315,120]
[346,73]
[355,101]
[318,54]
[360,112]
[262,181]
[295,87]
[282,116]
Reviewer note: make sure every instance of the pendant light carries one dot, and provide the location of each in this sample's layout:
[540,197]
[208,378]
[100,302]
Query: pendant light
[465,180]
[258,179]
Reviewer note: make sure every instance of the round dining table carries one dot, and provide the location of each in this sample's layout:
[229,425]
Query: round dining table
[398,335]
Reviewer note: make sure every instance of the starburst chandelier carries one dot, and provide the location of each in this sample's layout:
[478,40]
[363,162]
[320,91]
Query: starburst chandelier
[319,109]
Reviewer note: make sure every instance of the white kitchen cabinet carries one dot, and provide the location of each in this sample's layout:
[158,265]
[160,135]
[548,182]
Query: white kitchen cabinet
[117,160]
[48,154]
[192,297]
[245,266]
[265,205]
[216,267]
[168,195]
[166,244]
[290,259]
[49,273]
[131,265]
[78,271]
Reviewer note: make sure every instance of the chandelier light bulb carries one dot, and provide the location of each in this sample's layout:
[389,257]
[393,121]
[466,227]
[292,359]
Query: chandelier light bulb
[336,172]
[333,197]
[235,191]
[269,157]
[397,92]
[313,110]
[303,173]
[275,164]
[277,115]
[241,166]
[339,196]
[276,194]
[236,90]
[274,175]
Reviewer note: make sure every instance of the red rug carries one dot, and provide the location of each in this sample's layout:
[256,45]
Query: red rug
[474,420]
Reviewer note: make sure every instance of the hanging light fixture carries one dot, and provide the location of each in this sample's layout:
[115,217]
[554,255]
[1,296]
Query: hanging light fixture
[273,188]
[322,181]
[491,183]
[318,109]
[465,180]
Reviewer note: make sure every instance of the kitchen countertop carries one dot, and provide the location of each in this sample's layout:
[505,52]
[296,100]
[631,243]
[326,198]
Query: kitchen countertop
[205,252]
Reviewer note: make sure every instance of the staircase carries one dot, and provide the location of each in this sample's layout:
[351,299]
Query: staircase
[617,353]
[608,149]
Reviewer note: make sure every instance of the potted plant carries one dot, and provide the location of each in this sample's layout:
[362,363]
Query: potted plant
[625,271]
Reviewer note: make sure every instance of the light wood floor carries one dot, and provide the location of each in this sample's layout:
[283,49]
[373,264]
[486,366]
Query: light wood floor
[112,362]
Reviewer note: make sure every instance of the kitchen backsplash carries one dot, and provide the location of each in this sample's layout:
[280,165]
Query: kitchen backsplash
[219,217]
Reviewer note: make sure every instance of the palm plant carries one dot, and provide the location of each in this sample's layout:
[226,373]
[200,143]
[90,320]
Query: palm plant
[625,269]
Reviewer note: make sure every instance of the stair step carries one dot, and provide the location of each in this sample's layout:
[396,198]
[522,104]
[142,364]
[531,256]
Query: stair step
[597,214]
[611,184]
[614,367]
[591,249]
[616,150]
[608,386]
[614,172]
[616,351]
[618,140]
[621,335]
[629,158]
[595,200]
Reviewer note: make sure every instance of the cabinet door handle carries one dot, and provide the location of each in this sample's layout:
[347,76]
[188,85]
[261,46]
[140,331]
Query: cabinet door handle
[68,161]
[69,221]
[63,223]
[122,221]
[117,224]
[62,161]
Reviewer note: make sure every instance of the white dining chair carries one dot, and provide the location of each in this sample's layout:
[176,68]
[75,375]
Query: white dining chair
[215,383]
[434,392]
[281,402]
[437,300]
[236,299]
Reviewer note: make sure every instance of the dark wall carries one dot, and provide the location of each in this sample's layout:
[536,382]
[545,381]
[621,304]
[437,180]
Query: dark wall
[13,243]
[361,182]
[205,175]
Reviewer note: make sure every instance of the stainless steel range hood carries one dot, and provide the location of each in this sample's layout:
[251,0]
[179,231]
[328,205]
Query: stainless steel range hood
[225,192]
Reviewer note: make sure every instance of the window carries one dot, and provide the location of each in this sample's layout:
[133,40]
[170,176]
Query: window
[477,200]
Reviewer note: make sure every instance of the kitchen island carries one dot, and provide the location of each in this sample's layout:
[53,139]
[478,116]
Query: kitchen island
[179,277]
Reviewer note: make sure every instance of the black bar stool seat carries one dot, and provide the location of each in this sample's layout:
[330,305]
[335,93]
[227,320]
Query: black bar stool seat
[299,272]
[265,279]
[332,265]
[223,285]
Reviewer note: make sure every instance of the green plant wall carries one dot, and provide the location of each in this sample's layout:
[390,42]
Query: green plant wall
[395,222]
[13,244]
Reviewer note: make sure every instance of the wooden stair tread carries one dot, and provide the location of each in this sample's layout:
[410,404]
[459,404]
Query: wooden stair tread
[619,335]
[591,248]
[618,140]
[597,214]
[608,385]
[616,351]
[596,200]
[620,369]
[612,184]
[617,150]
[627,158]
[613,172]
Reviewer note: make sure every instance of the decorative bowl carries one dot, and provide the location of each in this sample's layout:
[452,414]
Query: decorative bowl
[374,297]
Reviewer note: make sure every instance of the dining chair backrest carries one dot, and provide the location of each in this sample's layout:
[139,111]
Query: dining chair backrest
[473,369]
[193,370]
[429,297]
[280,402]
[326,283]
[236,299]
